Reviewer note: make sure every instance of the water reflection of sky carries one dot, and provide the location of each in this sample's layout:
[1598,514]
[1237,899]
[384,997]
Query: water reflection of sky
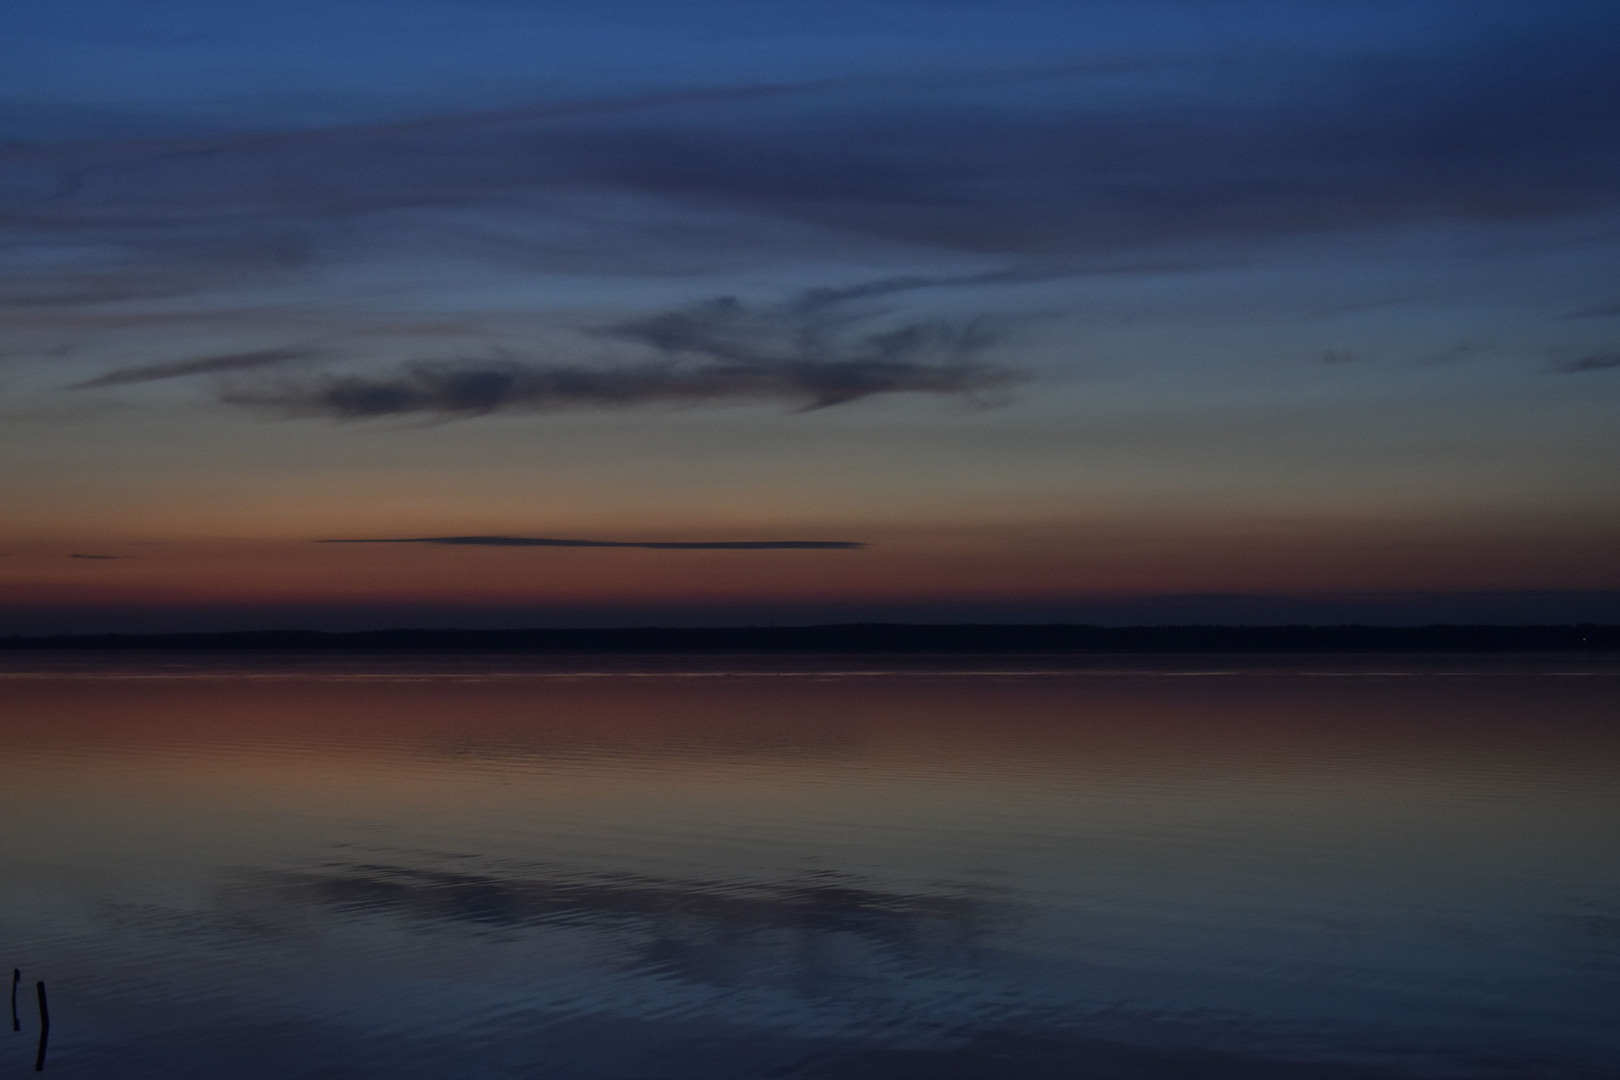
[500,868]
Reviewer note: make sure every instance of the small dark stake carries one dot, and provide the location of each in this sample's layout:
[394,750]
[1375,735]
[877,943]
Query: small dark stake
[16,977]
[44,1028]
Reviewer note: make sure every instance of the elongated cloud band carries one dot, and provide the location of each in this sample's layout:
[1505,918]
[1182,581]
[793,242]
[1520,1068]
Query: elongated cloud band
[476,389]
[1598,362]
[658,545]
[208,365]
[806,352]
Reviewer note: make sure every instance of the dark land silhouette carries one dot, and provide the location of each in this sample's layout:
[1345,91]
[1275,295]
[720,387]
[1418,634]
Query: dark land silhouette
[877,638]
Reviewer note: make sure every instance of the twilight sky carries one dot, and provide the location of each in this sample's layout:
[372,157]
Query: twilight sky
[1159,310]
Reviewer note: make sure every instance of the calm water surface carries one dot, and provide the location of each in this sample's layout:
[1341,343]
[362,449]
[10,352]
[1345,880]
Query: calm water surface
[643,867]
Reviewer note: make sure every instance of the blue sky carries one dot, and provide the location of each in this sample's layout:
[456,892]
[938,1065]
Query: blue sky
[1046,304]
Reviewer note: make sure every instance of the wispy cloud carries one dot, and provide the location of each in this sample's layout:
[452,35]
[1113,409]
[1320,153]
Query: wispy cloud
[658,545]
[1596,362]
[206,365]
[473,388]
[1481,130]
[1172,155]
[810,352]
[99,558]
[1597,311]
[1488,131]
[556,111]
[815,327]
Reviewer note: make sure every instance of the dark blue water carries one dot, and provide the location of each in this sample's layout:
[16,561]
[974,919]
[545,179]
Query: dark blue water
[661,868]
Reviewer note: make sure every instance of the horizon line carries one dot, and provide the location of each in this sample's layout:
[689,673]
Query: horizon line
[666,545]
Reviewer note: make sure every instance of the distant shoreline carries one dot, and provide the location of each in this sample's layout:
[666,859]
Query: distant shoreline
[872,638]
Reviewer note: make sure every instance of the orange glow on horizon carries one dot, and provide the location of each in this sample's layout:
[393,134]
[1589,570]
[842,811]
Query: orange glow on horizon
[1037,561]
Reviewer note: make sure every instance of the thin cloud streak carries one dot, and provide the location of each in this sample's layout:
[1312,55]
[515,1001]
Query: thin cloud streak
[1497,130]
[812,330]
[469,389]
[811,352]
[350,134]
[656,545]
[1599,311]
[688,180]
[202,366]
[1599,362]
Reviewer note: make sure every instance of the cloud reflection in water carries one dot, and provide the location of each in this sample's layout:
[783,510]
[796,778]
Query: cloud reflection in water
[660,869]
[690,930]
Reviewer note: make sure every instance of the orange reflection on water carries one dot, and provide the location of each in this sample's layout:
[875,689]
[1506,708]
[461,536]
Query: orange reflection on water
[553,855]
[397,736]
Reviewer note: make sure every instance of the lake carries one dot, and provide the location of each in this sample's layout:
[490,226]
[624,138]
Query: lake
[660,867]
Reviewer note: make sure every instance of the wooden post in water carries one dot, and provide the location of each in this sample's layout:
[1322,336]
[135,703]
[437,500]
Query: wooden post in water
[16,977]
[44,1028]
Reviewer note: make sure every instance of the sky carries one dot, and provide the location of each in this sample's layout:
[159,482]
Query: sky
[1121,312]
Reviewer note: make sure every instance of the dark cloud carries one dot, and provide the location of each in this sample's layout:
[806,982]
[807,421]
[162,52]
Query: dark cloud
[1089,165]
[1596,362]
[818,327]
[76,555]
[1506,130]
[472,388]
[1216,147]
[826,296]
[661,545]
[1599,311]
[201,366]
[105,141]
[812,351]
